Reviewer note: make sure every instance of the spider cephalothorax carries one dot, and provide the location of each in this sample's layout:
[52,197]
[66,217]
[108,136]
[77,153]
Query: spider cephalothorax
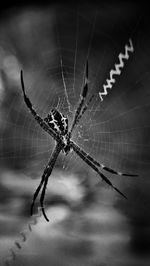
[56,125]
[57,121]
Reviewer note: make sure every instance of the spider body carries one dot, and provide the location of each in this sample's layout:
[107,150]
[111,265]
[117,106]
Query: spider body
[56,125]
[57,121]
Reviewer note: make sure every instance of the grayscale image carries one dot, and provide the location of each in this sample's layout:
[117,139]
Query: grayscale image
[74,134]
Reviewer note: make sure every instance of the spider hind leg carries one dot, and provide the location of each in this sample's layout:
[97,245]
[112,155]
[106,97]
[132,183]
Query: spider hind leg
[110,170]
[42,199]
[36,194]
[87,159]
[102,166]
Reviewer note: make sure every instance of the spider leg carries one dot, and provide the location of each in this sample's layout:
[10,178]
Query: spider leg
[110,170]
[35,115]
[49,169]
[83,156]
[84,109]
[82,100]
[39,187]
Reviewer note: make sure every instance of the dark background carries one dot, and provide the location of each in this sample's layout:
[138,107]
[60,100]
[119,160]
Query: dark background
[89,223]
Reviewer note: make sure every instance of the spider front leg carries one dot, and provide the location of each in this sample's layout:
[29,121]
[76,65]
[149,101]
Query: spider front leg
[44,179]
[35,115]
[81,101]
[84,156]
[84,109]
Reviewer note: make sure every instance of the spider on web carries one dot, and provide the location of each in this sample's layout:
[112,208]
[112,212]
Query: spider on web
[56,125]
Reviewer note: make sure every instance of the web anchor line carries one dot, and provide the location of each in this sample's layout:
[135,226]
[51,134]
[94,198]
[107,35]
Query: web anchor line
[117,69]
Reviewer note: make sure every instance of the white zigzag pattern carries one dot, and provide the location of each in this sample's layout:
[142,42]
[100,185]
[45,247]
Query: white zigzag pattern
[18,244]
[117,70]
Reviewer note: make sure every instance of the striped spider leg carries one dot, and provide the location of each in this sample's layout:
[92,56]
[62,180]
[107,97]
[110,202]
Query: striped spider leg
[81,101]
[49,127]
[40,121]
[81,107]
[93,163]
[108,169]
[44,180]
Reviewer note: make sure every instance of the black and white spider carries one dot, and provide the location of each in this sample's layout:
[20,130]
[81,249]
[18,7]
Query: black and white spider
[56,125]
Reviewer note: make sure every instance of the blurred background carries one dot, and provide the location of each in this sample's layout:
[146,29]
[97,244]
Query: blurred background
[90,224]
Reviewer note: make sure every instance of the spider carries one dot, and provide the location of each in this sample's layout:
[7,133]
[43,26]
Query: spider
[56,125]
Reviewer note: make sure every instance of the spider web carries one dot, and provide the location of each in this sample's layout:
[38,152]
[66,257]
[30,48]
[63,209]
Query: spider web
[52,48]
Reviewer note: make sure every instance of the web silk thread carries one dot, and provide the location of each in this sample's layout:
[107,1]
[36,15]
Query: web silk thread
[117,70]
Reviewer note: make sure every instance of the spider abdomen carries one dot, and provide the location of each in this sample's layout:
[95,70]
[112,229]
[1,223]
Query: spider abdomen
[57,121]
